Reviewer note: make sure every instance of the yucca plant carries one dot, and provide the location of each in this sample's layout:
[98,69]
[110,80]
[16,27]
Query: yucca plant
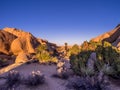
[87,71]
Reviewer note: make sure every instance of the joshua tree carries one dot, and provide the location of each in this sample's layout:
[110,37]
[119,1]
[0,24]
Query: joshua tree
[66,48]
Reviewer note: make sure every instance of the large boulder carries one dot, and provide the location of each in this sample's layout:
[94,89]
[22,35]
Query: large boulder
[112,36]
[5,41]
[25,41]
[22,45]
[21,58]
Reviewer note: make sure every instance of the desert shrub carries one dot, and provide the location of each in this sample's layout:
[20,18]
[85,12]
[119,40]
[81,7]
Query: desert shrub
[44,56]
[87,83]
[87,71]
[107,59]
[54,60]
[79,61]
[35,78]
[12,78]
[74,50]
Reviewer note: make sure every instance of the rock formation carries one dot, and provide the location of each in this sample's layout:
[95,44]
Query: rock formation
[25,42]
[112,36]
[20,43]
[21,58]
[6,39]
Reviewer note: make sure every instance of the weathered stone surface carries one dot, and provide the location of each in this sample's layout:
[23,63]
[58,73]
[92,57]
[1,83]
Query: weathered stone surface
[60,67]
[25,42]
[21,58]
[109,36]
[112,36]
[5,41]
[15,41]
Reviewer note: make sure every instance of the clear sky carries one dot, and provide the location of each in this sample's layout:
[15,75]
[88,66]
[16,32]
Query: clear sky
[60,21]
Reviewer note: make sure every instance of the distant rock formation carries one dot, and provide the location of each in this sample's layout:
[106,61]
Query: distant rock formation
[112,36]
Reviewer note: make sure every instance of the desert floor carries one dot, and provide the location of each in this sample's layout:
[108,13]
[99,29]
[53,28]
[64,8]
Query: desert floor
[51,83]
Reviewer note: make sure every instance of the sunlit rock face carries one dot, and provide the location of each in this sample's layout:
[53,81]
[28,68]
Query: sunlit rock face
[15,41]
[21,58]
[112,36]
[25,41]
[6,39]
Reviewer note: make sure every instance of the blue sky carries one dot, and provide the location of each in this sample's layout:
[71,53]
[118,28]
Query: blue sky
[60,21]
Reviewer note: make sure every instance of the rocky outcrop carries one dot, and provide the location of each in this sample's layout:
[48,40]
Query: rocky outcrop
[6,39]
[23,45]
[21,58]
[112,36]
[25,41]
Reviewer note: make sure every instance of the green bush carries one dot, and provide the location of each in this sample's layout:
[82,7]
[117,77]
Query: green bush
[13,77]
[74,50]
[108,58]
[44,56]
[78,62]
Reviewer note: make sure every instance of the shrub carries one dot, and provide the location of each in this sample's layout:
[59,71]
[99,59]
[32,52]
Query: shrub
[106,54]
[110,58]
[74,50]
[35,78]
[79,61]
[13,78]
[44,56]
[54,60]
[87,71]
[87,83]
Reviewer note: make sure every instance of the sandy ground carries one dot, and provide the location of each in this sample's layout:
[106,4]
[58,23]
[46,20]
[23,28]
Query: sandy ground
[48,70]
[51,83]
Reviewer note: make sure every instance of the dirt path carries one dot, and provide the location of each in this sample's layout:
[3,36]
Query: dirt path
[8,68]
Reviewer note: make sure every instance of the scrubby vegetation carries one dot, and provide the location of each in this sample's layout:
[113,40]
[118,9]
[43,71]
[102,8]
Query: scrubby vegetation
[44,56]
[107,59]
[74,50]
[13,78]
[35,78]
[87,83]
